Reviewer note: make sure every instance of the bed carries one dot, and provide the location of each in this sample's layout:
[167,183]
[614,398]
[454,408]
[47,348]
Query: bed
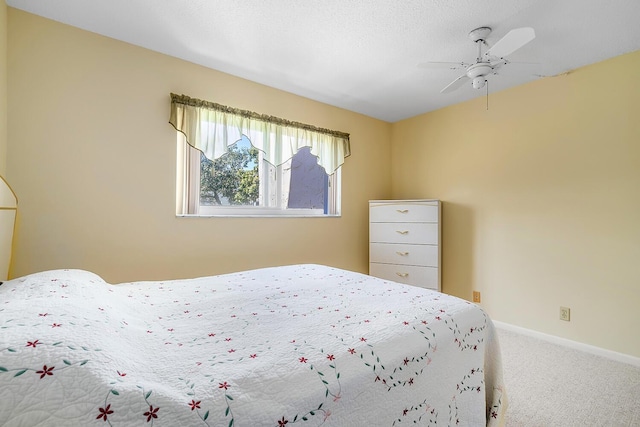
[8,209]
[301,344]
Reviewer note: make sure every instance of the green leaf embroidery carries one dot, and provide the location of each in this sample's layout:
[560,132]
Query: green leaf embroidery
[206,415]
[66,362]
[115,392]
[3,369]
[20,373]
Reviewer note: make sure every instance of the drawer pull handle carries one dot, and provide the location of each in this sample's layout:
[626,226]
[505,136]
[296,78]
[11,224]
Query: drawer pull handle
[404,275]
[402,253]
[402,211]
[402,232]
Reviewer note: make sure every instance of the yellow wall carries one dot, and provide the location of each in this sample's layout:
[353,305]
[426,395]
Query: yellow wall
[3,87]
[92,160]
[541,200]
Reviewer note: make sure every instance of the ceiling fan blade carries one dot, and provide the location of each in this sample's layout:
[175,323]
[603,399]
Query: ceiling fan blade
[448,65]
[511,42]
[455,84]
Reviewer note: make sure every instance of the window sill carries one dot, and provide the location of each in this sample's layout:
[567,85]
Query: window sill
[265,215]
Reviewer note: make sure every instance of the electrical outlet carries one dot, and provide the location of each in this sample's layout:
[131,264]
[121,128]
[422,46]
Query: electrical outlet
[565,314]
[476,296]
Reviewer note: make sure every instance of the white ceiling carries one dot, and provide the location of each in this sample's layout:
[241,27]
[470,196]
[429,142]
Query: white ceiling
[361,55]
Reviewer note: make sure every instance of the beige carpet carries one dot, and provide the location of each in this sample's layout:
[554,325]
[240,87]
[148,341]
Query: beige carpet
[552,385]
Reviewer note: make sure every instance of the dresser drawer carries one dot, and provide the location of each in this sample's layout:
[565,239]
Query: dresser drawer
[398,253]
[412,232]
[402,212]
[425,277]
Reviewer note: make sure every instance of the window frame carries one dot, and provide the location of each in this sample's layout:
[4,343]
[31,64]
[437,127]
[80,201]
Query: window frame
[334,198]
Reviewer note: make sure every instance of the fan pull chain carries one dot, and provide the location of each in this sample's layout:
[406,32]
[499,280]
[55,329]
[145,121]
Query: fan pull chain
[487,84]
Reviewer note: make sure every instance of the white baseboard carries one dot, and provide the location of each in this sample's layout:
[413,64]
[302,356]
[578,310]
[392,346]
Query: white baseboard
[598,351]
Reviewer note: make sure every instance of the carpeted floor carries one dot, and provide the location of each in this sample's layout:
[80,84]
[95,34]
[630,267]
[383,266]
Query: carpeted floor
[552,385]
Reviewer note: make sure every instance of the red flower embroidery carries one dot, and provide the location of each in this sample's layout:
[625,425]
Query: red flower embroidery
[56,325]
[253,356]
[151,413]
[406,361]
[45,371]
[352,350]
[32,343]
[282,422]
[330,357]
[223,385]
[303,360]
[195,404]
[104,412]
[363,339]
[43,314]
[122,374]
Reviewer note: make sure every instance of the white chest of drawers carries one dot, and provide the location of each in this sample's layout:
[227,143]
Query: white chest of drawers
[404,241]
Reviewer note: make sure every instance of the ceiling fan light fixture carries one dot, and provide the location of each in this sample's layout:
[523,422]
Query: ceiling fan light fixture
[488,62]
[478,82]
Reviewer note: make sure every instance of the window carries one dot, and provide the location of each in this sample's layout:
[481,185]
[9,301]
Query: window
[237,163]
[242,183]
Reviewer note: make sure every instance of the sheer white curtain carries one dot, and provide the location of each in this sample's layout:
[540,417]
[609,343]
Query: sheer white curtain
[187,178]
[211,128]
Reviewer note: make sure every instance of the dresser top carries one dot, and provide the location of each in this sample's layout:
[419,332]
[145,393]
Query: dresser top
[432,201]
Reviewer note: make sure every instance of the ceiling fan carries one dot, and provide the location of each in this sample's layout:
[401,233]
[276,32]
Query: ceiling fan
[488,62]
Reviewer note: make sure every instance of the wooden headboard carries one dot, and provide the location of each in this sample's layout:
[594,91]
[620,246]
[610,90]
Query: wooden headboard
[8,210]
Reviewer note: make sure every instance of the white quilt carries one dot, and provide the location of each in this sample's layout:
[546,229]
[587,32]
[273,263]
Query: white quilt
[303,344]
